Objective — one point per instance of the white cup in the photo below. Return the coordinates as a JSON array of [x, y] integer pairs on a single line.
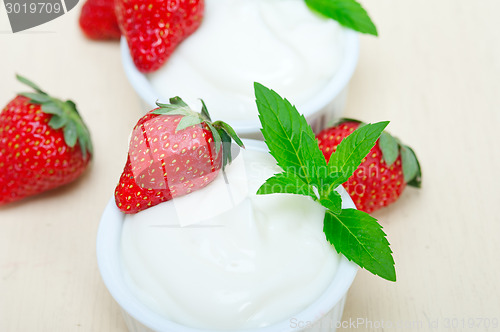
[[323, 315], [320, 111]]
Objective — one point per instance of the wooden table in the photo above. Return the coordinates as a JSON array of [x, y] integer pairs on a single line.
[[434, 72]]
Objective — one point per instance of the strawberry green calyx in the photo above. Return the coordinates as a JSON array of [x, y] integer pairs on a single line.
[[65, 116], [222, 132], [391, 148]]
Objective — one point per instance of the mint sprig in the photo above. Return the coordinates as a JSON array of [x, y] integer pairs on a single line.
[[348, 13], [292, 143]]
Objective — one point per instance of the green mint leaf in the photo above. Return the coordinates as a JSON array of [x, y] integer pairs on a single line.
[[292, 143], [348, 13], [289, 137], [314, 160], [411, 166], [389, 147], [331, 200], [351, 151], [286, 183], [359, 237], [188, 121]]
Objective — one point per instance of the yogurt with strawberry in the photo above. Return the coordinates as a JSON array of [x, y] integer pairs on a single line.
[[279, 43], [224, 258]]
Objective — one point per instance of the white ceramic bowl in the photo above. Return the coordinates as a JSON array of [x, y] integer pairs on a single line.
[[322, 315], [320, 111]]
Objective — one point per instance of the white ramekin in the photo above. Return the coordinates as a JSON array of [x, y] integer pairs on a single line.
[[320, 111], [323, 315]]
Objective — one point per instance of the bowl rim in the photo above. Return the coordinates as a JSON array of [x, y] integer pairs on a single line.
[[109, 263], [319, 101]]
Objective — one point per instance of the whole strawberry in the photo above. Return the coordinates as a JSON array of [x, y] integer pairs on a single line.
[[98, 20], [44, 144], [173, 151], [153, 29], [383, 174]]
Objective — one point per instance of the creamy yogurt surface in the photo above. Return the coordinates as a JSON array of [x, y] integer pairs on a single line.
[[257, 260], [279, 43]]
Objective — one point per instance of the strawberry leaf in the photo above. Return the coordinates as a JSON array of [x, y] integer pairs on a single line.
[[173, 110], [52, 108], [70, 134], [37, 97], [359, 237], [411, 167], [230, 131], [389, 147], [204, 111], [32, 85], [227, 158], [178, 101], [216, 135], [222, 132], [65, 116], [57, 121], [188, 121]]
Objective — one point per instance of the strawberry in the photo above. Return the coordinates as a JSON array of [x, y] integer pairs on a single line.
[[44, 144], [153, 29], [98, 20], [383, 173], [173, 151]]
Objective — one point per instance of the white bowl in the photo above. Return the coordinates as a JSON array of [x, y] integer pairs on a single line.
[[322, 315], [320, 111]]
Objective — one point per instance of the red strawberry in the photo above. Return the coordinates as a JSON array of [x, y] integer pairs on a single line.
[[98, 20], [154, 29], [383, 174], [173, 151], [44, 144]]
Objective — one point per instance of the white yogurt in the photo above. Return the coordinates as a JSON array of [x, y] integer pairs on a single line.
[[279, 43], [261, 260]]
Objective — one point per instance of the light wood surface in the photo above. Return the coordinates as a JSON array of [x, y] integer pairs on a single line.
[[434, 72]]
